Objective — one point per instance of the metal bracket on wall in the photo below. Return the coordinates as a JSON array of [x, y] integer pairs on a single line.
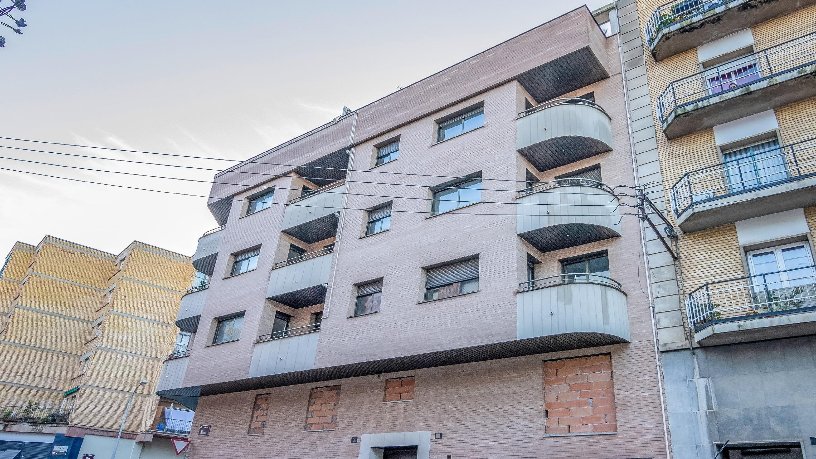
[[668, 229]]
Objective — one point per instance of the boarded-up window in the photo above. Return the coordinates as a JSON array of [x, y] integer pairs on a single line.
[[399, 389], [322, 411], [579, 395], [260, 414]]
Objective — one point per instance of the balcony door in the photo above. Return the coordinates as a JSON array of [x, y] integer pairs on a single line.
[[733, 74], [783, 277], [751, 167]]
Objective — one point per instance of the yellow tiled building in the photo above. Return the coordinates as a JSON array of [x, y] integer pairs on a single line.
[[80, 328], [728, 150]]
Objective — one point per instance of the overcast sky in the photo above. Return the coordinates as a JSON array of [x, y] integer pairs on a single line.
[[204, 78]]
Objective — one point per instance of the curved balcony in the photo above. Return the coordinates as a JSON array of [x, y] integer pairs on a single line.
[[760, 184], [681, 25], [173, 370], [753, 308], [285, 351], [741, 87], [190, 309], [207, 251], [563, 131], [590, 307], [301, 281], [567, 213], [313, 217]]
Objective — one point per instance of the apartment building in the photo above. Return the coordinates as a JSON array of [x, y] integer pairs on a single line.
[[728, 149], [450, 271], [81, 328]]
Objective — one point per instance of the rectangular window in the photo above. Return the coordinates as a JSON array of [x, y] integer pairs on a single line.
[[280, 324], [245, 262], [182, 343], [379, 219], [587, 267], [456, 195], [295, 252], [259, 202], [461, 123], [316, 319], [531, 265], [733, 74], [369, 296], [751, 167], [228, 329], [387, 153], [452, 279], [784, 274], [591, 176]]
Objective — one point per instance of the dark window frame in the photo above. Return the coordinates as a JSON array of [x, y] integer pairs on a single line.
[[220, 321], [457, 187], [461, 119], [384, 155], [257, 198], [361, 301], [236, 259], [585, 258], [461, 286], [384, 221]]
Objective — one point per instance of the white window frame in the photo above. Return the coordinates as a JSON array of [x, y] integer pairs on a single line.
[[777, 251]]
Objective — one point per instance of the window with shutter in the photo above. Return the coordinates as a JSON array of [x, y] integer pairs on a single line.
[[387, 153], [455, 195], [452, 279], [379, 219], [460, 123], [245, 261], [368, 298]]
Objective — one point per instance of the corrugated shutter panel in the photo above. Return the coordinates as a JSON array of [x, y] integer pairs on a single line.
[[388, 149], [459, 118], [379, 212], [369, 288], [454, 272]]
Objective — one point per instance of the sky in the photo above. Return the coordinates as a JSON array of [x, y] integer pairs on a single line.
[[223, 80]]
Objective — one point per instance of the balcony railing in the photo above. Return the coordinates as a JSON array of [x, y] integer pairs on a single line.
[[676, 12], [570, 181], [214, 230], [304, 257], [736, 74], [179, 354], [175, 426], [745, 174], [33, 413], [311, 193], [298, 331], [562, 101], [197, 288], [783, 292], [564, 279]]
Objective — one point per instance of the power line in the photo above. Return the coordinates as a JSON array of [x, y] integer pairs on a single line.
[[617, 195], [293, 204], [174, 155]]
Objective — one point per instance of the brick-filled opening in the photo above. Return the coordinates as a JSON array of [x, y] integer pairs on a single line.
[[260, 414], [579, 396], [322, 411], [399, 389]]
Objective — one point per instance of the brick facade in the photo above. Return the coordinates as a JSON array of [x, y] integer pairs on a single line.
[[322, 411], [579, 395], [399, 389]]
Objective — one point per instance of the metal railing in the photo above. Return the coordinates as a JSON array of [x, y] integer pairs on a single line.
[[781, 292], [179, 354], [562, 101], [34, 413], [175, 426], [298, 331], [304, 257], [212, 231], [539, 187], [566, 279], [317, 191], [745, 174], [738, 73], [197, 288], [675, 12]]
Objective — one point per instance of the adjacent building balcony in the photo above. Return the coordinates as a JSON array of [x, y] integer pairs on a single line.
[[302, 281], [285, 351], [172, 374], [741, 87], [749, 186], [590, 308], [563, 131], [190, 310], [681, 25], [752, 308], [313, 217], [567, 213], [207, 251], [34, 413]]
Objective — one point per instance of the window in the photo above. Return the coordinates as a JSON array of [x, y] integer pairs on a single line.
[[295, 252], [530, 179], [245, 262], [750, 167], [280, 324], [387, 153], [591, 176], [733, 74], [587, 267], [379, 219], [452, 279], [456, 195], [316, 319], [777, 270], [461, 123], [368, 299], [259, 202], [531, 265], [228, 329], [200, 281], [182, 343]]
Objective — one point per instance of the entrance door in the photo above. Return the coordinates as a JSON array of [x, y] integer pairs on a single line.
[[402, 452]]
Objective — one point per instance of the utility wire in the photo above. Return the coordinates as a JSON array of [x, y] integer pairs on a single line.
[[291, 204], [174, 155], [136, 174]]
